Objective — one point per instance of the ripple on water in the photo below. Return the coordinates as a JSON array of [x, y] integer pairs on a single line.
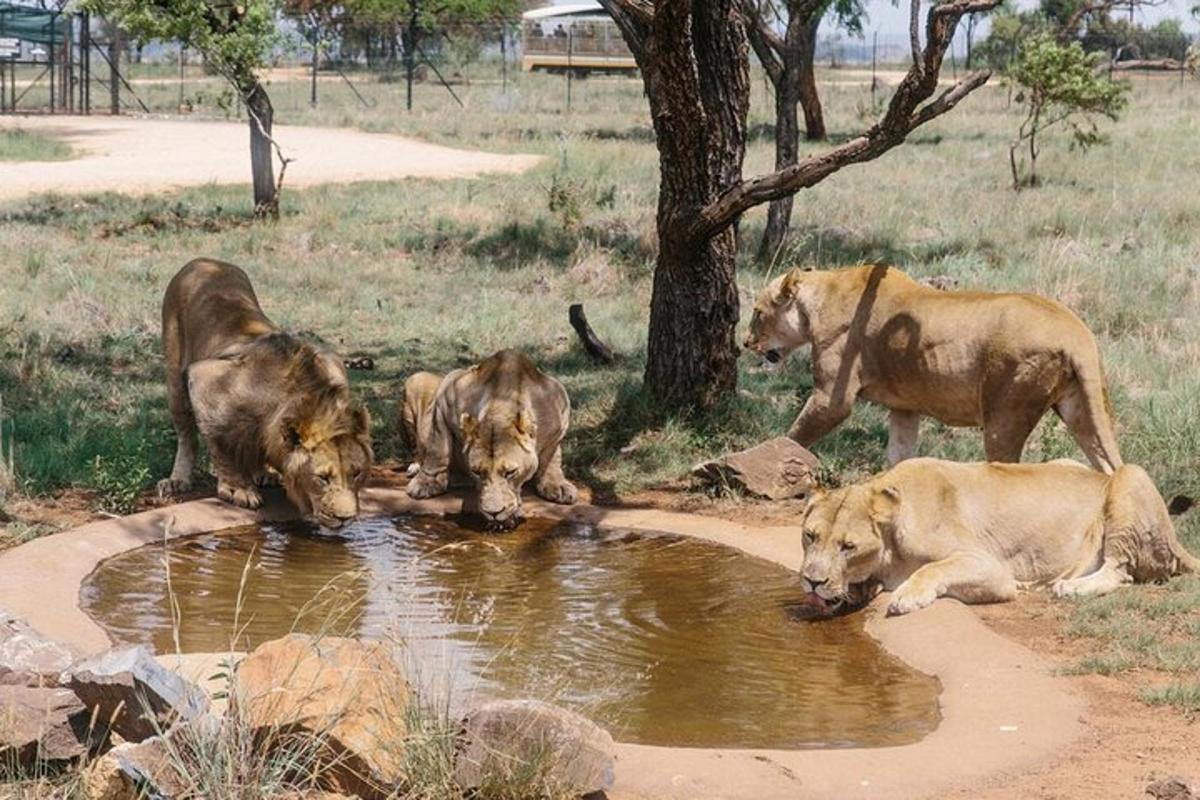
[[665, 639]]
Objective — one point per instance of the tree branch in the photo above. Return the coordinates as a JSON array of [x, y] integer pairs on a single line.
[[1071, 24], [634, 18], [905, 113], [765, 41]]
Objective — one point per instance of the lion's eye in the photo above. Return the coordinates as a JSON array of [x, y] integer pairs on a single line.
[[324, 478], [809, 537], [510, 473], [847, 547]]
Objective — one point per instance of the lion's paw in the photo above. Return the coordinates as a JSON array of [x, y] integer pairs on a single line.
[[173, 487], [564, 493], [907, 599], [424, 485], [241, 496], [268, 479]]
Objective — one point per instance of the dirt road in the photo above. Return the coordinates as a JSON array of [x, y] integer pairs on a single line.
[[139, 155]]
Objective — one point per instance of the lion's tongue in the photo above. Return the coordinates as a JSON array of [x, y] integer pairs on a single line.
[[816, 601]]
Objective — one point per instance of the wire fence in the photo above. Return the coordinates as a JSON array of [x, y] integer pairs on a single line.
[[85, 68]]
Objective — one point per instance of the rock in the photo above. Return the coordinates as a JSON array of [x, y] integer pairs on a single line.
[[1173, 788], [776, 469], [133, 695], [565, 751], [27, 658], [42, 725], [349, 697]]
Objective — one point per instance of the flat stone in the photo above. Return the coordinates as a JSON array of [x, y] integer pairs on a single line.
[[350, 698], [27, 658], [565, 751], [133, 695], [39, 725], [1173, 788], [777, 469]]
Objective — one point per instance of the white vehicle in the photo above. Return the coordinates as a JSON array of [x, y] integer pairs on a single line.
[[580, 37]]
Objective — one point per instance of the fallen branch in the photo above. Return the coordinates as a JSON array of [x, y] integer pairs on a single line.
[[595, 348]]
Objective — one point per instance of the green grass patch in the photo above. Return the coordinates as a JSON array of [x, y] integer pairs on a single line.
[[19, 144], [1183, 696]]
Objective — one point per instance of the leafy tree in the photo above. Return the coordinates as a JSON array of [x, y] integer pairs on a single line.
[[1008, 30], [1059, 86], [236, 39], [695, 62]]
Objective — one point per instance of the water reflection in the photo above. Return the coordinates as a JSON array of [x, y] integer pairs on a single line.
[[665, 639]]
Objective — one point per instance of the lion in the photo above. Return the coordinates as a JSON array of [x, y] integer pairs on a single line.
[[996, 361], [976, 532], [266, 403], [496, 425]]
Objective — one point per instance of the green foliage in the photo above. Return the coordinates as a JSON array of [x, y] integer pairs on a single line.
[[119, 480], [237, 39], [1009, 29], [1058, 84]]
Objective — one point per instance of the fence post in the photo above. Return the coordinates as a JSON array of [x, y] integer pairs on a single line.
[[874, 54], [114, 75], [570, 55]]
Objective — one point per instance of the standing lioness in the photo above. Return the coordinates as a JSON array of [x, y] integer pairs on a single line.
[[998, 361], [499, 424], [262, 399]]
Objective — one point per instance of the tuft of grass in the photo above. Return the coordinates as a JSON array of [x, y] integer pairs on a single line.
[[1181, 695], [18, 144]]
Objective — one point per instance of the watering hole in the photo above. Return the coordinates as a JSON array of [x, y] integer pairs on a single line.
[[664, 639]]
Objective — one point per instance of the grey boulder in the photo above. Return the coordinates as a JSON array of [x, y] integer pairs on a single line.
[[777, 469]]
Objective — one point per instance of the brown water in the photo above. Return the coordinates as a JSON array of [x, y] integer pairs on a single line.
[[666, 640]]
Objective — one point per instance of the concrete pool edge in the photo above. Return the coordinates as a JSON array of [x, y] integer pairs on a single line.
[[1002, 709]]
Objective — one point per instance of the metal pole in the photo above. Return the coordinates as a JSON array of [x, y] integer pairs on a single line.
[[874, 51], [51, 56], [114, 76], [316, 56], [570, 54], [181, 65], [86, 56], [503, 59]]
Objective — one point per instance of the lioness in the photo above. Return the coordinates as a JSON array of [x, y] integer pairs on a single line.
[[927, 529], [500, 424], [262, 399], [966, 358]]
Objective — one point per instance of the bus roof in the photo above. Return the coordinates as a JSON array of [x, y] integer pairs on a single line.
[[566, 10]]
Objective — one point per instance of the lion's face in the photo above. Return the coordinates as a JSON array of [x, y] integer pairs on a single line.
[[844, 544], [501, 454], [778, 325], [328, 465]]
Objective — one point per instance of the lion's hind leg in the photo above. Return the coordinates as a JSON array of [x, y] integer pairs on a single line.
[[420, 390], [1111, 575], [967, 575]]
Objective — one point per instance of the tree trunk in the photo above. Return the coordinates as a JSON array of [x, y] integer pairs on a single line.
[[787, 143], [262, 165], [810, 100], [698, 83]]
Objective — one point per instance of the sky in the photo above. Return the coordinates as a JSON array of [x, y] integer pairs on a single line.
[[890, 20]]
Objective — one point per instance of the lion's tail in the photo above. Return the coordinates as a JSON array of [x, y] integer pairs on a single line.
[[1092, 425]]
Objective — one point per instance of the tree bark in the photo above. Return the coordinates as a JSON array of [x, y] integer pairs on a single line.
[[262, 165], [697, 79], [810, 100]]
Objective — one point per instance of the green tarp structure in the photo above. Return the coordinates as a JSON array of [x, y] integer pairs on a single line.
[[33, 24]]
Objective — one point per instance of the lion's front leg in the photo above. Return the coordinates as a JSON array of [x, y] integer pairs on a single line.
[[821, 414], [432, 476], [967, 576], [552, 485], [234, 487]]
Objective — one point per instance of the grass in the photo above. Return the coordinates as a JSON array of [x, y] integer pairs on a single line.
[[17, 144], [424, 274]]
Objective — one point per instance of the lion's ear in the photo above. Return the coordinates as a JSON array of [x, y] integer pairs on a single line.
[[787, 289], [885, 504], [469, 427], [523, 425]]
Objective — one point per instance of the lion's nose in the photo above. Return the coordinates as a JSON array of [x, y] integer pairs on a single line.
[[814, 584]]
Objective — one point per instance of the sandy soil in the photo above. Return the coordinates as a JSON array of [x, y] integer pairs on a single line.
[[142, 155]]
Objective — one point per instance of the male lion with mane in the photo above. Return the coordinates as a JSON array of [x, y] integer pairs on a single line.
[[498, 424], [263, 400], [975, 532], [998, 361]]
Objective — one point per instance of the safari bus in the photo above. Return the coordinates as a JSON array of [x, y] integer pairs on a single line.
[[579, 37]]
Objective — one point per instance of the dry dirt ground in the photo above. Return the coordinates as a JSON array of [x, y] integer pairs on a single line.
[[141, 155], [1127, 745]]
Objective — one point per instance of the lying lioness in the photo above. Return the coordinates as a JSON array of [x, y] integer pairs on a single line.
[[498, 424], [927, 529], [264, 401], [966, 358]]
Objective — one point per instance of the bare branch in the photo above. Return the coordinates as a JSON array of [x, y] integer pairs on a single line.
[[907, 110], [634, 18], [767, 44], [1071, 24]]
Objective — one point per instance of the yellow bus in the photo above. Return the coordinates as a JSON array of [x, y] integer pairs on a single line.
[[579, 37]]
